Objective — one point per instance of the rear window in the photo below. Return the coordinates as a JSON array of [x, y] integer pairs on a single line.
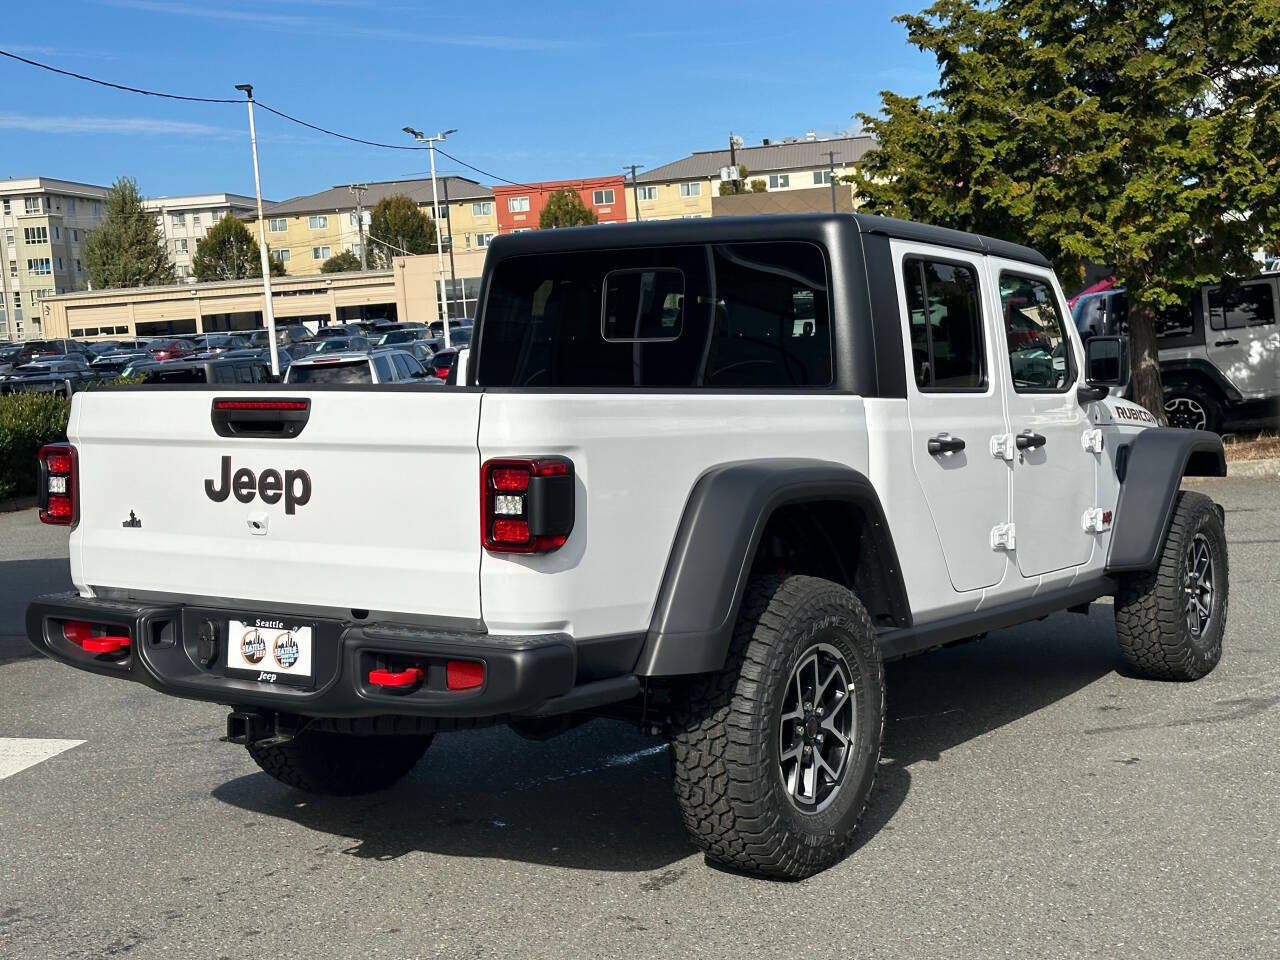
[[349, 371], [739, 315], [190, 375]]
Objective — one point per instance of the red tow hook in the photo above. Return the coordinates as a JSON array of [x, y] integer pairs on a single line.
[[80, 633], [105, 644], [396, 678]]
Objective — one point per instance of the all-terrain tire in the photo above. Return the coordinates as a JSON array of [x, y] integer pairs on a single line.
[[341, 764], [1153, 623], [726, 747]]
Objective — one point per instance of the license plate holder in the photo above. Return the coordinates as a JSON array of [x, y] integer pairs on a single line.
[[273, 650]]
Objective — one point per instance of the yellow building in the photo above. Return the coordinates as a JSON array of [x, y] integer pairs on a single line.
[[304, 232], [685, 187]]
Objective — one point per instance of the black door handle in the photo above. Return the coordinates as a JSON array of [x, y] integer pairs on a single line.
[[1030, 441], [945, 443], [1228, 342]]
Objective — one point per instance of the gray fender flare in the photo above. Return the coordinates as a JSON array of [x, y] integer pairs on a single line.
[[710, 560], [1159, 458]]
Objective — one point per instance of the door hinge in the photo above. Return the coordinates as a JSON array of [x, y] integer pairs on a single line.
[[1002, 537], [1096, 520], [1003, 446], [1091, 440]]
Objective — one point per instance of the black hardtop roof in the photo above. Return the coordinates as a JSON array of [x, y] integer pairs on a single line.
[[745, 229]]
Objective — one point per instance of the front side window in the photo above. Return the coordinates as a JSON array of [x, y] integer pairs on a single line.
[[691, 189], [318, 222], [1039, 351], [945, 318], [517, 204], [602, 197], [1249, 305]]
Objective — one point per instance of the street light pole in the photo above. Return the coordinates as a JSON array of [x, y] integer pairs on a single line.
[[268, 311], [435, 212]]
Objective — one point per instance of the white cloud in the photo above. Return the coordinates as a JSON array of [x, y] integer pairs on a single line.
[[135, 126]]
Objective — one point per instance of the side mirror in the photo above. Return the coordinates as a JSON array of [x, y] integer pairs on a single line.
[[1107, 361]]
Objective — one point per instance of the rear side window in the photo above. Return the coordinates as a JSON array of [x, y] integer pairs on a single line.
[[1039, 352], [383, 366], [945, 316], [351, 371], [1250, 305], [727, 315]]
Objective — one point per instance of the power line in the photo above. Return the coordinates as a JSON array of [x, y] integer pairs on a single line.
[[116, 86], [486, 173], [334, 133]]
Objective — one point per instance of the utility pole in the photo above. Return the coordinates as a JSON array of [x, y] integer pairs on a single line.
[[268, 310], [635, 187], [453, 272], [359, 190], [733, 162], [831, 170], [435, 207]]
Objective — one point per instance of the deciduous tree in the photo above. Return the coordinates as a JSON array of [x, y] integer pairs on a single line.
[[229, 252], [343, 262], [565, 209], [396, 224], [1144, 136]]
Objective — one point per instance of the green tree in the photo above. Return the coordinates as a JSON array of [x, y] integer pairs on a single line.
[[128, 249], [758, 185], [229, 252], [397, 221], [1138, 135], [343, 262], [565, 209]]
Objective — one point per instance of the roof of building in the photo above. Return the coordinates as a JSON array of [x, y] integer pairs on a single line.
[[545, 186], [794, 155], [340, 197], [51, 184], [187, 201]]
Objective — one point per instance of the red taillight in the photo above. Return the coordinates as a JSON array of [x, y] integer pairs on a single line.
[[464, 674], [95, 637], [58, 493], [526, 505]]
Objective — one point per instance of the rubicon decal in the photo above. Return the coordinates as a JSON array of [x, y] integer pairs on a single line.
[[293, 486]]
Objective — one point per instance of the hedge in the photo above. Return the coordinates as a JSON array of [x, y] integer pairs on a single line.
[[27, 422]]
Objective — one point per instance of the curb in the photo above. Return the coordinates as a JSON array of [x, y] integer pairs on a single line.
[[15, 504]]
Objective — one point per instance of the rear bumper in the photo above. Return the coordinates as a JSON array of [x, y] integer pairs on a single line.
[[523, 675]]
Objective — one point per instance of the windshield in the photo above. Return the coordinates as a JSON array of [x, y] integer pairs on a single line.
[[355, 370]]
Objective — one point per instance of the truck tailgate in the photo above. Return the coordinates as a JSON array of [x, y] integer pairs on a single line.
[[372, 506]]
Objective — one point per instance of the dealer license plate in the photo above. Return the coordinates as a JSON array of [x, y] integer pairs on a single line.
[[272, 650]]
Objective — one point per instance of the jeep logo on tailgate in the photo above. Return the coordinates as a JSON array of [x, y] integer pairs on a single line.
[[294, 486]]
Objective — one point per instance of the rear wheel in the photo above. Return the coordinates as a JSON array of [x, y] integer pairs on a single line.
[[1192, 407], [1170, 621], [775, 754], [341, 764]]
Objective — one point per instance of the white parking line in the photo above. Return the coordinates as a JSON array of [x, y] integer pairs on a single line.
[[18, 753]]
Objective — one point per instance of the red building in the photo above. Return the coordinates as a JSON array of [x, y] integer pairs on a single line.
[[518, 208]]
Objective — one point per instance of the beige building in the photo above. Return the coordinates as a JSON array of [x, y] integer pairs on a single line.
[[187, 220], [409, 291], [304, 232], [45, 222], [686, 187]]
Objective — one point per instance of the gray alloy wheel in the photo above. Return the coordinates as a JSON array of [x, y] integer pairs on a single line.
[[816, 728], [1197, 585]]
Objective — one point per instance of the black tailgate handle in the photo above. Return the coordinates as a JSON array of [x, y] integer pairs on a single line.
[[270, 417]]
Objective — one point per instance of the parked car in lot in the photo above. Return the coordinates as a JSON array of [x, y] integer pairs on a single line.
[[437, 326], [169, 348], [422, 351], [63, 374], [719, 486], [443, 360], [339, 330], [343, 344], [215, 344], [459, 336], [380, 365], [1215, 370], [213, 370], [9, 357], [397, 337], [35, 349], [285, 336]]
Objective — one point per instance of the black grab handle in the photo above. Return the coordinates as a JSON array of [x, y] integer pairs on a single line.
[[270, 417]]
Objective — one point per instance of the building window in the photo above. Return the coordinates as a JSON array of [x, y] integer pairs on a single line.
[[463, 294], [75, 236], [517, 204], [602, 198], [79, 267], [278, 225], [691, 189], [177, 219], [355, 249], [483, 240], [648, 193], [59, 263], [31, 204], [13, 269], [319, 253], [281, 256], [8, 208], [37, 295], [195, 219], [180, 246], [40, 267], [57, 233], [318, 222], [71, 206], [181, 272], [8, 237], [482, 208], [821, 178], [779, 181]]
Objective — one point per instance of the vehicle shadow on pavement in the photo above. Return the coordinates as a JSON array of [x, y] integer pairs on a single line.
[[600, 797], [22, 580]]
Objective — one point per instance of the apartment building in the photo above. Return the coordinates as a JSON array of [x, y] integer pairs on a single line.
[[45, 222], [519, 207], [186, 220], [685, 187], [304, 232]]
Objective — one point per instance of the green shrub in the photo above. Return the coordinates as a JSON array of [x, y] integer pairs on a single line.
[[27, 422]]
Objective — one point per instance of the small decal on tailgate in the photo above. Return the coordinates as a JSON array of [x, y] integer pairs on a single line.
[[133, 521]]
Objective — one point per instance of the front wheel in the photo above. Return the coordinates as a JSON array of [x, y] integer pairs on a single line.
[[775, 754], [1170, 620], [1192, 407], [341, 764]]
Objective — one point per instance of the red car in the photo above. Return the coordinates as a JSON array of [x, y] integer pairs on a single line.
[[169, 349], [443, 362]]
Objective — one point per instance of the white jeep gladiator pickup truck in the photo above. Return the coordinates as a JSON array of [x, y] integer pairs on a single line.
[[704, 475]]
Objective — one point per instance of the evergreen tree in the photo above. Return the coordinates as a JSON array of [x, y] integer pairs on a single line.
[[565, 209], [128, 249], [343, 262]]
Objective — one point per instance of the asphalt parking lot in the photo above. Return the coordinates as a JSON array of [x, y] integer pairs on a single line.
[[1032, 802]]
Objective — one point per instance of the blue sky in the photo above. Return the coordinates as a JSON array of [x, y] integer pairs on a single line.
[[537, 91]]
